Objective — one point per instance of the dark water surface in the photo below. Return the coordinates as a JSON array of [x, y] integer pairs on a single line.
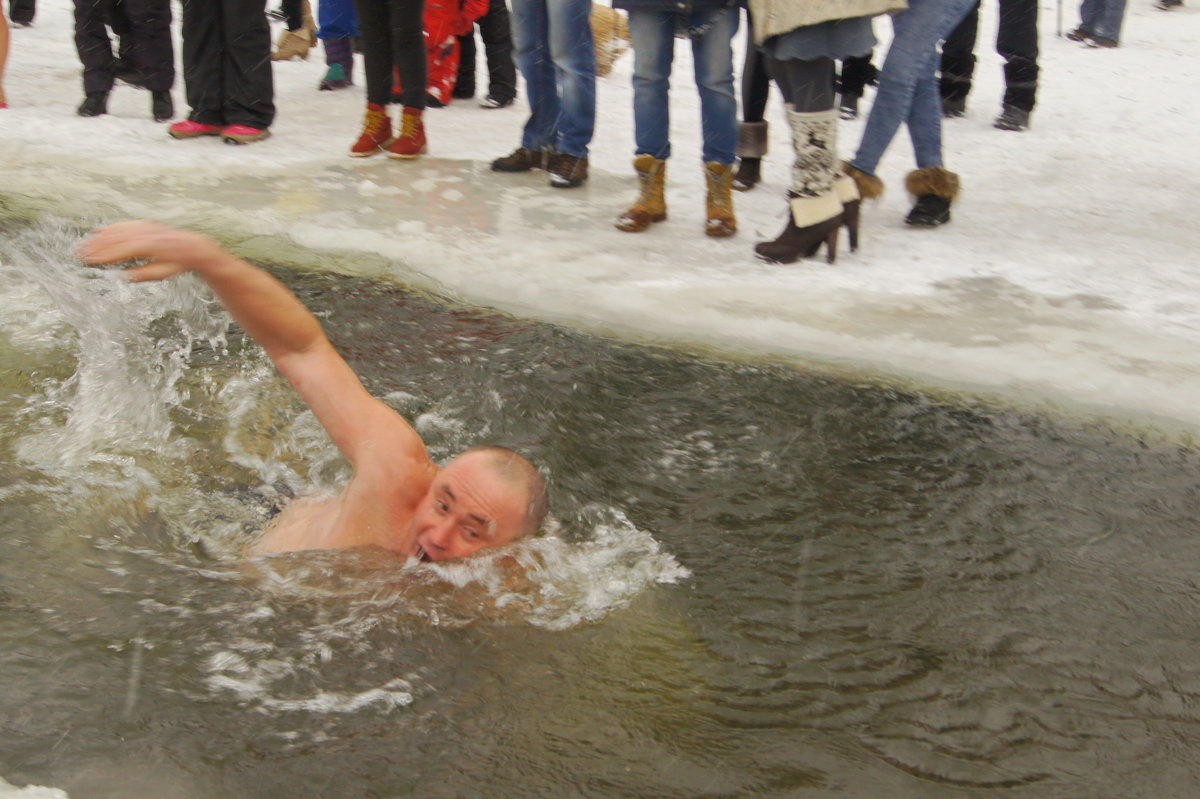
[[765, 583]]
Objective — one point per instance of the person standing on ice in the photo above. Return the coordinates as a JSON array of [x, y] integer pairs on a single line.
[[226, 71], [1017, 44], [393, 46], [397, 499], [145, 30], [800, 40], [709, 25], [908, 94], [556, 54]]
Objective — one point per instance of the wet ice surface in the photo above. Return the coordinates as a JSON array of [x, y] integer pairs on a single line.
[[1066, 278]]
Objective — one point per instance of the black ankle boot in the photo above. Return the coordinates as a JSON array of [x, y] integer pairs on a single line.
[[930, 211], [93, 105], [749, 172], [162, 107]]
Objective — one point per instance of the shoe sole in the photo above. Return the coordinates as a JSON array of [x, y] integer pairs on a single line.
[[245, 139], [178, 135], [408, 156]]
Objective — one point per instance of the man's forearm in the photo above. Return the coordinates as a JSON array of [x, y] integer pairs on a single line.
[[265, 308]]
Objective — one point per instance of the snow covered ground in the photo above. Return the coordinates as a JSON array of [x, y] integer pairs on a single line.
[[1067, 279]]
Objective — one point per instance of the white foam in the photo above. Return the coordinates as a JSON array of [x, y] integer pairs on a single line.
[[8, 791]]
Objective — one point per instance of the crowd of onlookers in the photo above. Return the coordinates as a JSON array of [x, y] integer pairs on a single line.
[[419, 54]]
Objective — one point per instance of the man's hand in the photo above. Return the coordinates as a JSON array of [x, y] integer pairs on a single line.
[[168, 251]]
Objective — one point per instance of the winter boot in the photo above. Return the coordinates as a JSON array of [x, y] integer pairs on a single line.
[[162, 107], [376, 135], [816, 211], [720, 222], [869, 187], [567, 171], [1012, 118], [94, 104], [811, 221], [651, 205], [751, 147], [521, 160], [297, 43], [411, 141], [934, 189], [339, 56]]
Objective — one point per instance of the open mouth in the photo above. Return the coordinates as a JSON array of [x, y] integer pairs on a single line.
[[421, 555]]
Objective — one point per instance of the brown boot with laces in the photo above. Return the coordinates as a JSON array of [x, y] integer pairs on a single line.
[[651, 205], [719, 204]]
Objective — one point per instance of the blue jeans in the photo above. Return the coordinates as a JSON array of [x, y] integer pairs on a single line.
[[908, 86], [1102, 18], [652, 33], [553, 48]]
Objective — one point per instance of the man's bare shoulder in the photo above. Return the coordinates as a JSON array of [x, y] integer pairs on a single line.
[[376, 508]]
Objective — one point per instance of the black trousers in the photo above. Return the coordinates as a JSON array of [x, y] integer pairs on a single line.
[[144, 28], [227, 62], [1017, 44], [22, 11], [393, 39], [496, 31], [293, 14]]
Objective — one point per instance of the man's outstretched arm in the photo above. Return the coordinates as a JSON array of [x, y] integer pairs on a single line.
[[363, 428]]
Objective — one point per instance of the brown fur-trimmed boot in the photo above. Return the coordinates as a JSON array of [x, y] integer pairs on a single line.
[[934, 189], [721, 222], [869, 186], [651, 204]]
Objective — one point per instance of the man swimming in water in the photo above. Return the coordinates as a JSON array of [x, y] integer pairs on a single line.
[[398, 498]]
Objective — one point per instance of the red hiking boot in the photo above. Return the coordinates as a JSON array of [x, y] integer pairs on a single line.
[[376, 134], [411, 141]]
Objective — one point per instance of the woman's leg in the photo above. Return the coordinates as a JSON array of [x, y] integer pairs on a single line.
[[912, 56], [405, 21]]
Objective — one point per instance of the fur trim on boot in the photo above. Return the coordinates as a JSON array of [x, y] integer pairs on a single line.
[[869, 186], [936, 180], [752, 140]]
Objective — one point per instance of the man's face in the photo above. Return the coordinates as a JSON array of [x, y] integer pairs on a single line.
[[468, 507]]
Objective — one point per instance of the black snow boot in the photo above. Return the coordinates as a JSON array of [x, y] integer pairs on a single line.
[[934, 188], [162, 107], [93, 105]]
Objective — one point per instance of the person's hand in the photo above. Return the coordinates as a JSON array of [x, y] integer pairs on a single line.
[[165, 251]]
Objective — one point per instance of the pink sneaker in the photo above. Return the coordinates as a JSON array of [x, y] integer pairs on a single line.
[[187, 129], [244, 134]]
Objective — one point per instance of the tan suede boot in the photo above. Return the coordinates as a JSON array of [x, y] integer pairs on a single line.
[[297, 43], [719, 203], [651, 205]]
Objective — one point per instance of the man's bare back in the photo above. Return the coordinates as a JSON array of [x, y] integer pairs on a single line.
[[398, 498]]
